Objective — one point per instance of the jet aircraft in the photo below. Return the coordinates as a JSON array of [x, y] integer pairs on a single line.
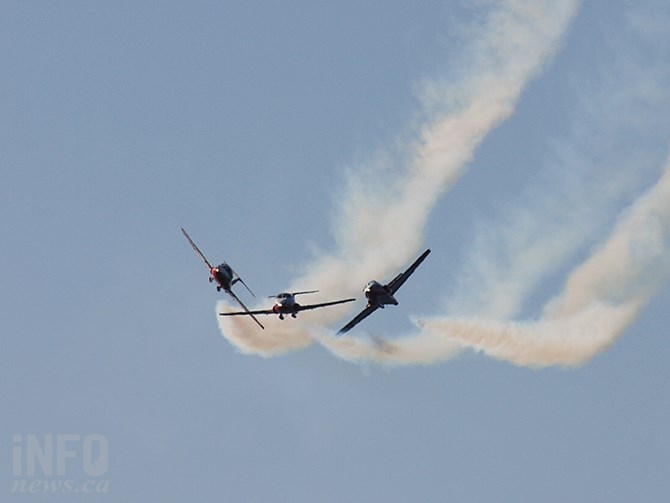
[[224, 276], [379, 295], [285, 304]]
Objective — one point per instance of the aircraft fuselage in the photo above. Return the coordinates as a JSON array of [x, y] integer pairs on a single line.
[[223, 275], [285, 304], [378, 295]]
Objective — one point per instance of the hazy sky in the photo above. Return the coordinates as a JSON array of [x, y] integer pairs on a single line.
[[318, 146]]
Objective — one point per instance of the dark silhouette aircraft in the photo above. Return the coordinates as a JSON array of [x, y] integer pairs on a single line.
[[379, 295]]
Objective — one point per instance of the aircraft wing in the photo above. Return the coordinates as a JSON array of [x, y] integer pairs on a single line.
[[248, 313], [245, 285], [402, 277], [324, 304], [358, 318], [246, 309], [197, 250]]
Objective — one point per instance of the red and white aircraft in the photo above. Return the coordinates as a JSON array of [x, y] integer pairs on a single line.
[[224, 276], [285, 304]]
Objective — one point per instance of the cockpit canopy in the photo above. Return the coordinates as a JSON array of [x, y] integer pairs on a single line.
[[225, 268]]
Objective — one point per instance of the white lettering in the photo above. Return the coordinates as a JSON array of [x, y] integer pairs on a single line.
[[62, 452], [34, 486], [17, 459], [19, 486], [44, 456], [98, 466]]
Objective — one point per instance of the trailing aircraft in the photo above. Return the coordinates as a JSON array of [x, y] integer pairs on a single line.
[[379, 295]]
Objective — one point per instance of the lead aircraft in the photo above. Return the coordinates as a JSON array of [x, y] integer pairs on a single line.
[[224, 276], [285, 304], [379, 295]]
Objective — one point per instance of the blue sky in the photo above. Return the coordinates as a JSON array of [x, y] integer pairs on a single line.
[[246, 124]]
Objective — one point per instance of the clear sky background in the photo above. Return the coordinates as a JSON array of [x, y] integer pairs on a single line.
[[122, 121]]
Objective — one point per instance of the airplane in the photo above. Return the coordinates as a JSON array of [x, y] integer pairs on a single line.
[[224, 276], [379, 295], [285, 304]]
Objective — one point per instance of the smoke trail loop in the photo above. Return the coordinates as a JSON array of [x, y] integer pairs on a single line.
[[382, 218]]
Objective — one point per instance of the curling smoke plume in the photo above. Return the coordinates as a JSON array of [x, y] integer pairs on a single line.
[[600, 299], [507, 50], [616, 140]]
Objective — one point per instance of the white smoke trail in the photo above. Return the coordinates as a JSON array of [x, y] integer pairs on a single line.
[[423, 348], [573, 197], [386, 205], [600, 299]]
